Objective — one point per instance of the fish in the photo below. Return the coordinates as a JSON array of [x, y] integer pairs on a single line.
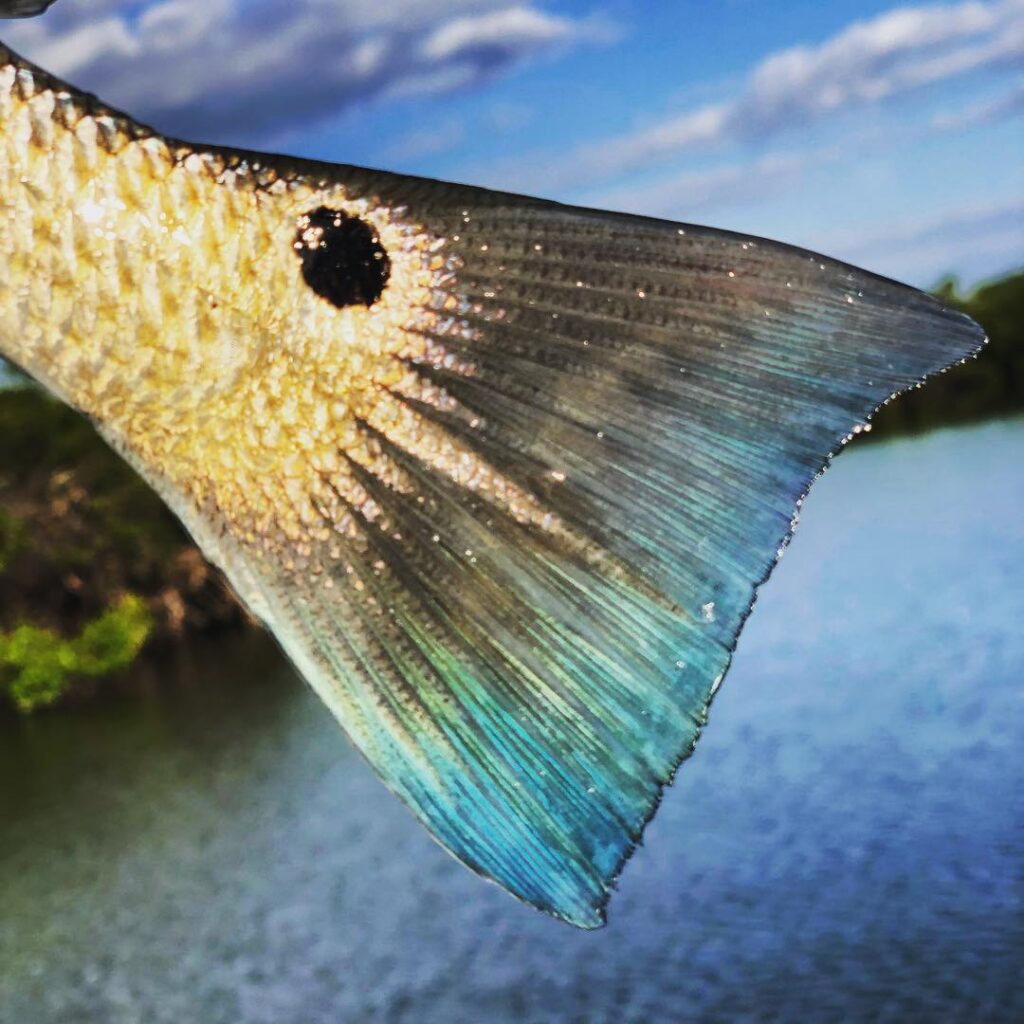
[[501, 476]]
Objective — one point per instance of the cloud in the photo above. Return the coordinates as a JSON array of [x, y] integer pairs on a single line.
[[930, 227], [683, 194], [985, 238], [902, 50], [247, 69], [996, 108], [491, 33]]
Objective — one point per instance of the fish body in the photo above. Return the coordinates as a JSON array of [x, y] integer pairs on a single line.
[[502, 476]]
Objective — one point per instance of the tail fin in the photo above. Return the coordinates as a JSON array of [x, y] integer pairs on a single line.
[[571, 511]]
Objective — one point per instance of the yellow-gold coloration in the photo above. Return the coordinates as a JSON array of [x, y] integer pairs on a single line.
[[506, 498], [135, 269]]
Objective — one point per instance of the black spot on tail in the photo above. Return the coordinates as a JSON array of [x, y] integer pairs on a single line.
[[342, 258]]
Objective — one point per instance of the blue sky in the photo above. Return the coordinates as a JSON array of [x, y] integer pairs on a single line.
[[889, 135]]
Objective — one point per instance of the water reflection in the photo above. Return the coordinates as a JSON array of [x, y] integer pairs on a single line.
[[847, 842]]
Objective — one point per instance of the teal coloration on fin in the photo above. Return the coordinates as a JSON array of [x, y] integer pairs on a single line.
[[527, 663], [669, 394], [666, 395]]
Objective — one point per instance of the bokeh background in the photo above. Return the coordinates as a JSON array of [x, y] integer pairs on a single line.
[[185, 835]]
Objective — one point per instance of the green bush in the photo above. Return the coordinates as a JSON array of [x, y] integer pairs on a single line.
[[37, 665]]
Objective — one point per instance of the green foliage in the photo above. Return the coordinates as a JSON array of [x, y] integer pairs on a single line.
[[79, 528], [991, 385], [37, 665]]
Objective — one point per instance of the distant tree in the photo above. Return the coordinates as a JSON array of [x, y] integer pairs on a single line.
[[991, 385]]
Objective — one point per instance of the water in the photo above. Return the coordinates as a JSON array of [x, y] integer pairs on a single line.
[[847, 843]]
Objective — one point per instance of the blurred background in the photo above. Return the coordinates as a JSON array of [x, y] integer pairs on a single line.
[[185, 834]]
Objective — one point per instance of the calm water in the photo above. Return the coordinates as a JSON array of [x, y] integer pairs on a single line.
[[847, 843]]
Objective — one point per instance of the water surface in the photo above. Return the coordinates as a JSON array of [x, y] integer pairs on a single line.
[[846, 844]]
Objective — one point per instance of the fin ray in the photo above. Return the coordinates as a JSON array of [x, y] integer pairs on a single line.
[[523, 637]]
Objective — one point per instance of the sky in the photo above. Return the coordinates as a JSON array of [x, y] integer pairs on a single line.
[[888, 135]]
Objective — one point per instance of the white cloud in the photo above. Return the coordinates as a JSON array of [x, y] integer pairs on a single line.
[[919, 229], [984, 238], [896, 52], [684, 195], [514, 26], [76, 48], [995, 108], [179, 23], [232, 69], [750, 181]]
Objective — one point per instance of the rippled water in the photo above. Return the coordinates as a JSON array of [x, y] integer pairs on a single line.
[[847, 843]]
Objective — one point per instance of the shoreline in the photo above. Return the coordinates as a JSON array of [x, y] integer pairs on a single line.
[[98, 576]]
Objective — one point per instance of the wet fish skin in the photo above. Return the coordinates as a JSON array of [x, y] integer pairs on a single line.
[[508, 517]]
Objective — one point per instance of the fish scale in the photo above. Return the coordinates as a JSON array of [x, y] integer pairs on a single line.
[[505, 499]]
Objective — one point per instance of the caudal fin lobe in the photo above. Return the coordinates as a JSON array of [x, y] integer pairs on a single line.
[[526, 647]]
